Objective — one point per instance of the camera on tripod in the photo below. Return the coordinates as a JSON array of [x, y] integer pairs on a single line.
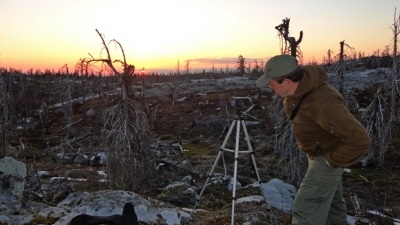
[[241, 102]]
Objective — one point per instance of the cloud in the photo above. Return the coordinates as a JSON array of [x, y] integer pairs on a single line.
[[223, 61], [213, 60]]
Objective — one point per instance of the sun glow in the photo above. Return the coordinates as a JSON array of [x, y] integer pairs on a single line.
[[165, 35]]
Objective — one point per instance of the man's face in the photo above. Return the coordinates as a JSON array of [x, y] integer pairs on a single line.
[[280, 89]]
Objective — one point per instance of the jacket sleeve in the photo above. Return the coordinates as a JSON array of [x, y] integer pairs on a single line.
[[334, 117]]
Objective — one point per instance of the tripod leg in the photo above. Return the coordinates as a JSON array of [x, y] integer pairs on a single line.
[[253, 159], [235, 171], [225, 142]]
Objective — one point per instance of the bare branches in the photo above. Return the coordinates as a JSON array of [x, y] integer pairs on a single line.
[[108, 59], [292, 162], [106, 63], [64, 69], [343, 55], [378, 124], [339, 80], [131, 162], [293, 47]]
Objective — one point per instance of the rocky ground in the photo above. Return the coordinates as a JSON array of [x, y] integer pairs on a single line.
[[196, 121]]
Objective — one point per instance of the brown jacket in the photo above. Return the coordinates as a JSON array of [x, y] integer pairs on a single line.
[[324, 126]]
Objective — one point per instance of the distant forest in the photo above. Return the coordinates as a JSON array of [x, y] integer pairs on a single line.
[[243, 67]]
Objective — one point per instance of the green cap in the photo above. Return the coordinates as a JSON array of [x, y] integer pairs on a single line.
[[277, 66]]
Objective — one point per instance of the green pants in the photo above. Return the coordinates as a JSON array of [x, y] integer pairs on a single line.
[[319, 200]]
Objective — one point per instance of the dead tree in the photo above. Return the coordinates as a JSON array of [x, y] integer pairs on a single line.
[[338, 80], [127, 136], [292, 162], [289, 45], [66, 99], [342, 68], [187, 67], [378, 124], [328, 60], [22, 97], [393, 78], [380, 115], [5, 112], [178, 68]]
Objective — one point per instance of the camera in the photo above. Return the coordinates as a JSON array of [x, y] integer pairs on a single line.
[[240, 102]]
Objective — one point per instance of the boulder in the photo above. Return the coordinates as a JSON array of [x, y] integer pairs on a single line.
[[12, 178], [278, 195]]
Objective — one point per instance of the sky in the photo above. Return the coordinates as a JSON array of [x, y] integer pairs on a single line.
[[162, 35]]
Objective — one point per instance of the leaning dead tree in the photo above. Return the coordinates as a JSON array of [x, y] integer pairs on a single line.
[[127, 137], [289, 45], [380, 115]]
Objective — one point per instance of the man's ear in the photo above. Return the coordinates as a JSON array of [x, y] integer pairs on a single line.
[[287, 81]]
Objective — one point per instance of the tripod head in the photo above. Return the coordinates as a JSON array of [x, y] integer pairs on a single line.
[[240, 104], [243, 105], [240, 112]]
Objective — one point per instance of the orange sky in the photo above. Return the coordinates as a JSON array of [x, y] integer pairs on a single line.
[[47, 34]]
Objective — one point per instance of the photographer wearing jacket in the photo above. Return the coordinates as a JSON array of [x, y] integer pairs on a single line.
[[324, 129]]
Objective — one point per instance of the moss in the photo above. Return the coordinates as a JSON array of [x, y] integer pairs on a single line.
[[222, 219], [217, 204], [193, 149]]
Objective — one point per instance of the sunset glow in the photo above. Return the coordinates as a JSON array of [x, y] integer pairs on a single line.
[[157, 35]]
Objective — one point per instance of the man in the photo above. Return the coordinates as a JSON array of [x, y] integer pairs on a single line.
[[324, 129]]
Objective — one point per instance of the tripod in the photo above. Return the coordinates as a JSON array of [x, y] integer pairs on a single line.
[[239, 122]]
